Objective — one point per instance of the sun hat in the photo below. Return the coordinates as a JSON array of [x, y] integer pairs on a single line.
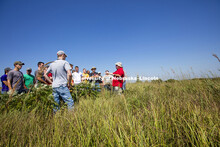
[[93, 68], [29, 69], [61, 53], [18, 62], [119, 64]]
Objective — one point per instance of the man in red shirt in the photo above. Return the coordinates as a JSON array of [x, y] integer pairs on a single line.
[[117, 82]]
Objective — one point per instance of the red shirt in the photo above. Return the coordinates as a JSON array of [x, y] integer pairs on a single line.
[[49, 75], [118, 82]]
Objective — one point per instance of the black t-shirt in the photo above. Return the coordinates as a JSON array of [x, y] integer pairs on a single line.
[[94, 74]]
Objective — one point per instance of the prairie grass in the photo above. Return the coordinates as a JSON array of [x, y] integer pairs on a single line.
[[179, 113]]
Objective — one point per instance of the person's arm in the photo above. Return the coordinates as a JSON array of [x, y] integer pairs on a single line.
[[41, 80], [46, 77], [25, 87], [114, 74], [9, 84], [5, 82], [34, 81], [117, 75], [9, 78], [69, 78], [81, 77]]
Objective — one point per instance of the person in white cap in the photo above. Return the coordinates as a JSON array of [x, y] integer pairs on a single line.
[[61, 73], [29, 79], [117, 82]]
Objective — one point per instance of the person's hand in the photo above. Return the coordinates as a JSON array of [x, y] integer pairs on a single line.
[[69, 86], [10, 92]]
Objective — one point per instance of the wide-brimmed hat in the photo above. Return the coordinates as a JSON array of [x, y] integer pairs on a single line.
[[18, 62], [93, 68], [119, 64], [61, 53]]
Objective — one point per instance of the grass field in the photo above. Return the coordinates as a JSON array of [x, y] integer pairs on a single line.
[[177, 113]]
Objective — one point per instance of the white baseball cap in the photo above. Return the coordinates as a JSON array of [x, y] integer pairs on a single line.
[[60, 53]]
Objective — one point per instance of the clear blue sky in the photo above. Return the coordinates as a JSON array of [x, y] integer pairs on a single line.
[[148, 36]]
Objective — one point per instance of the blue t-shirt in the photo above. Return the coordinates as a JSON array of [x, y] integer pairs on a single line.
[[4, 87]]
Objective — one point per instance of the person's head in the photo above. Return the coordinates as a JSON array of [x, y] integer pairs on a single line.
[[118, 65], [40, 64], [61, 55], [107, 72], [76, 68], [88, 72], [99, 73], [29, 70], [84, 70], [71, 65], [93, 69], [7, 70], [18, 65]]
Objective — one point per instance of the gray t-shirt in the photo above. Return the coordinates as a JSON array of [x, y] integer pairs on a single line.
[[14, 76], [59, 70]]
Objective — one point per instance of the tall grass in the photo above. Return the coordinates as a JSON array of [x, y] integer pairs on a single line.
[[179, 113]]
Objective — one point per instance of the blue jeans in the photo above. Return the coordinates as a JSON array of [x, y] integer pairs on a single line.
[[4, 92], [64, 93], [124, 85], [98, 86], [108, 87]]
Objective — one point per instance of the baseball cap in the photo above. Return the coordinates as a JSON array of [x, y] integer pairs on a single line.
[[61, 53], [119, 64], [7, 69], [18, 62], [29, 69]]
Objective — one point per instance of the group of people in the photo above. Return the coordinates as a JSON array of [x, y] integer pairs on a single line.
[[61, 75]]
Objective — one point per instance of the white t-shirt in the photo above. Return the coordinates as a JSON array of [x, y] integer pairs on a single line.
[[107, 79], [77, 77], [59, 70]]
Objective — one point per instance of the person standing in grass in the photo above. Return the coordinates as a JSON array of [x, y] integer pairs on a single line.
[[39, 74], [15, 79], [77, 76], [117, 82], [85, 76], [124, 81], [61, 73], [107, 80], [88, 72], [4, 81], [94, 78], [29, 79]]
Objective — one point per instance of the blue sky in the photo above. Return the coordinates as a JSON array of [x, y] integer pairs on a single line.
[[148, 36]]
